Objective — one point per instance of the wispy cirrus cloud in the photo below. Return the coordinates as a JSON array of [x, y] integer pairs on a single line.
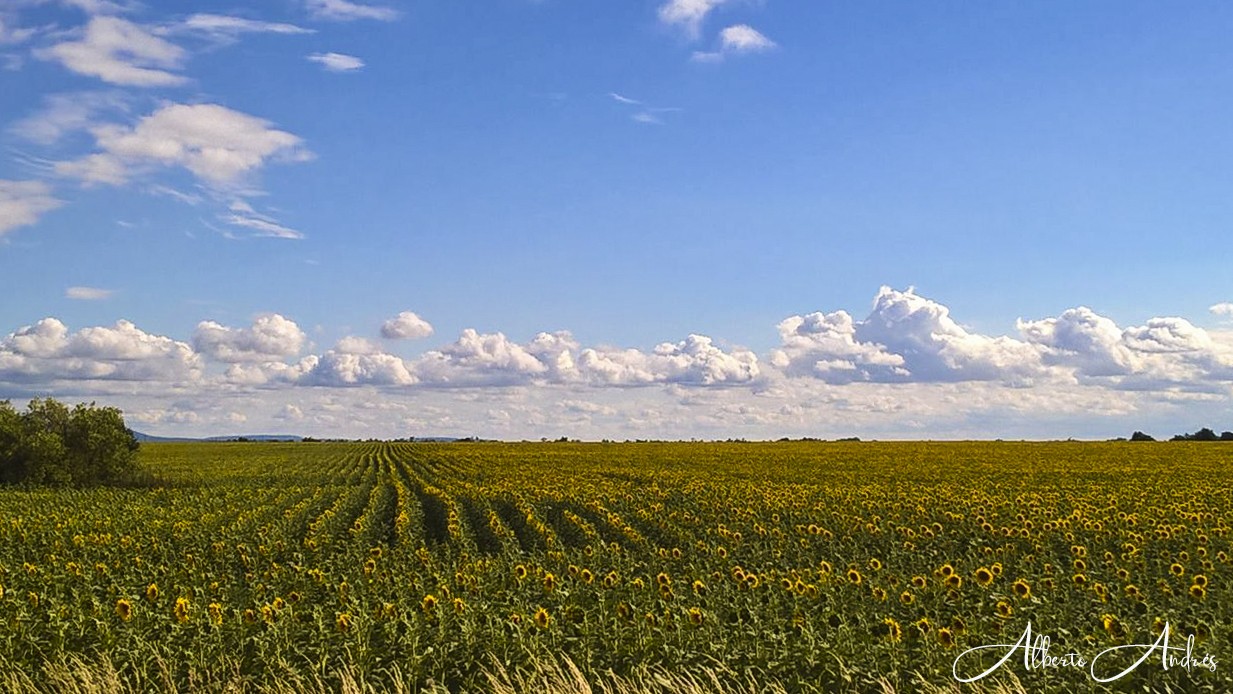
[[228, 27], [66, 113], [88, 293], [345, 10], [643, 112], [22, 203]]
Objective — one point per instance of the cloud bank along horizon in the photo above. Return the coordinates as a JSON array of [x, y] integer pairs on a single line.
[[905, 368]]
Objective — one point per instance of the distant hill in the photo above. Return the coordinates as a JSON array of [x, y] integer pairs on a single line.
[[147, 438]]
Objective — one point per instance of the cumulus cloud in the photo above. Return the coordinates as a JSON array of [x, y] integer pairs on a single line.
[[406, 326], [344, 10], [88, 293], [47, 351], [270, 338], [337, 62], [493, 359], [1223, 309], [23, 202], [479, 359], [1163, 353], [355, 361], [905, 337], [120, 52], [218, 145]]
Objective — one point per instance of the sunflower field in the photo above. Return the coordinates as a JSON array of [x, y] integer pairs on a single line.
[[819, 566]]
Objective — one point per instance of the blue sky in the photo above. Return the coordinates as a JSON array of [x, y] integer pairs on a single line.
[[674, 218]]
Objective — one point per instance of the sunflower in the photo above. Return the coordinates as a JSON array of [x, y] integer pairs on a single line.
[[945, 570], [586, 576], [695, 616], [663, 579], [1176, 569], [152, 592], [1004, 609], [946, 637], [1022, 589], [954, 581], [1200, 580], [623, 611], [875, 565], [550, 582], [1198, 592], [215, 610], [520, 572], [429, 604], [854, 576], [343, 622], [699, 588], [958, 626], [1078, 579], [983, 576], [542, 618], [124, 609], [906, 597], [893, 631], [459, 605], [919, 581], [181, 610]]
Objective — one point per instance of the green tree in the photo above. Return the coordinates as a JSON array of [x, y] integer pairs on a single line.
[[51, 444]]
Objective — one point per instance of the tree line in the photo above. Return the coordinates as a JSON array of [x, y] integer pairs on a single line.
[[1204, 434], [52, 444]]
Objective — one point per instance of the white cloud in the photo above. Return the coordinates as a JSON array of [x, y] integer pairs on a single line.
[[355, 362], [263, 225], [905, 338], [12, 35], [270, 338], [688, 14], [742, 38], [23, 202], [120, 52], [1163, 354], [406, 326], [344, 10], [337, 62], [226, 27], [47, 351], [66, 113], [1223, 309], [479, 359], [218, 145], [737, 39], [88, 293], [624, 99]]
